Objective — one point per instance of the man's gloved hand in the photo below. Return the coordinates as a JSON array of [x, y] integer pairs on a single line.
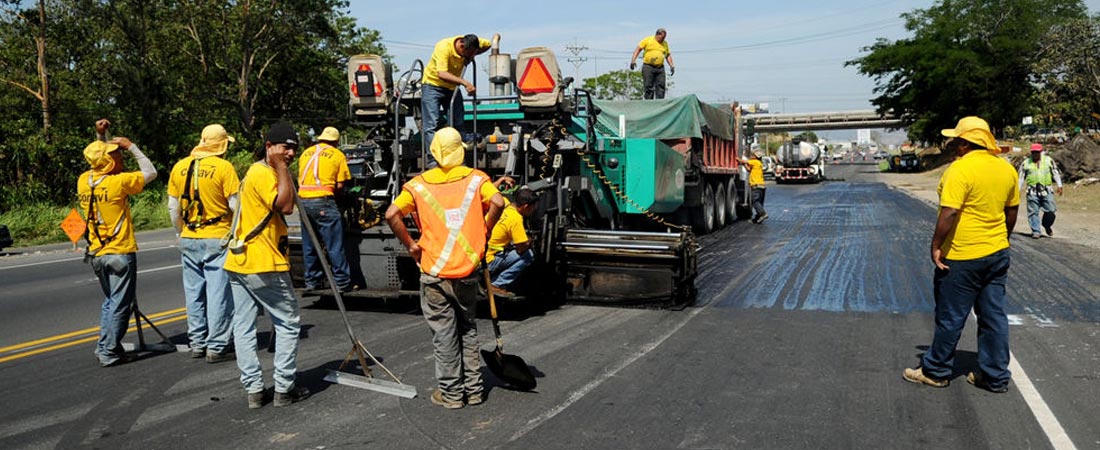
[[671, 70], [633, 65]]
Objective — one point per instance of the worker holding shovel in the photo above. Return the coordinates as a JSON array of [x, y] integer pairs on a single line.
[[457, 207]]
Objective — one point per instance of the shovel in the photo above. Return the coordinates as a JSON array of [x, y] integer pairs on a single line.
[[509, 368]]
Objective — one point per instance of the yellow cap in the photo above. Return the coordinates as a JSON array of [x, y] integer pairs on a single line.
[[98, 155], [447, 148], [330, 134], [976, 131], [214, 141]]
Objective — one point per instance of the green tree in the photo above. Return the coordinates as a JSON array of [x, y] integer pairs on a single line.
[[807, 136], [1068, 73], [966, 57], [616, 85]]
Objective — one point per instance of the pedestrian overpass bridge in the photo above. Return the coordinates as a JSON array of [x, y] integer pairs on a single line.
[[838, 120]]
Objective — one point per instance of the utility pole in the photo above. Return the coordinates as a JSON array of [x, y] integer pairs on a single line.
[[576, 59]]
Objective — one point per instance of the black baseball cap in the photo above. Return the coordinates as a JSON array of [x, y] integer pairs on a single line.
[[282, 133]]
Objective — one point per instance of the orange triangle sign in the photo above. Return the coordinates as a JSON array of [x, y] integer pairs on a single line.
[[536, 79]]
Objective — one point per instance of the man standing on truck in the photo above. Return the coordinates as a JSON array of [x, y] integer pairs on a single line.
[[654, 51], [442, 76], [757, 187], [259, 270], [103, 193], [322, 171], [1040, 172], [202, 199], [979, 200], [456, 206], [505, 266]]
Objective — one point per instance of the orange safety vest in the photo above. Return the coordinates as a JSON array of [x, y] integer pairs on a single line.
[[313, 165], [452, 225]]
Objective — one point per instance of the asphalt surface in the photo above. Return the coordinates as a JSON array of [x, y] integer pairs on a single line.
[[802, 328]]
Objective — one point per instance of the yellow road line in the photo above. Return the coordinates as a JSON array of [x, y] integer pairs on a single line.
[[82, 341], [79, 332]]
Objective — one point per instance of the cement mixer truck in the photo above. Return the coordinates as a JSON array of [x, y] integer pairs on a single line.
[[800, 162]]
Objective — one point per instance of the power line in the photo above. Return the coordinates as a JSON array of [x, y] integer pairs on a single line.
[[577, 60]]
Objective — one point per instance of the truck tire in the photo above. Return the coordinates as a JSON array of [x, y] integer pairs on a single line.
[[720, 203], [732, 200], [702, 216]]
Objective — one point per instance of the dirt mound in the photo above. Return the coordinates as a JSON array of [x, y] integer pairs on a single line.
[[1079, 158]]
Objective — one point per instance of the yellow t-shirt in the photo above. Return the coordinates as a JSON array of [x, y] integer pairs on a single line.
[[405, 201], [267, 252], [217, 181], [509, 229], [756, 172], [980, 186], [112, 209], [653, 52], [331, 167], [446, 59]]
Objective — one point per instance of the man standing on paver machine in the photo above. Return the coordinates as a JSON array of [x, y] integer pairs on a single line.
[[978, 205], [654, 51], [442, 76]]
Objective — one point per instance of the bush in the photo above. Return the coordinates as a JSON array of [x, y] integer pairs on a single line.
[[40, 222]]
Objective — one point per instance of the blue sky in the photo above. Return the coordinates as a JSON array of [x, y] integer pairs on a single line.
[[789, 54]]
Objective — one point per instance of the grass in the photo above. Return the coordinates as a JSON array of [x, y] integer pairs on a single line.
[[40, 223]]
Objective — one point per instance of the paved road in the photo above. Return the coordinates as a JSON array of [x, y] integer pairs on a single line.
[[798, 340]]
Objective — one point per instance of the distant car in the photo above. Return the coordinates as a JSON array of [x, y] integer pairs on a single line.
[[880, 156], [5, 237], [768, 163]]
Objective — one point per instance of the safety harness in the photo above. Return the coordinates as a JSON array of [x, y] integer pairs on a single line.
[[313, 165], [93, 221], [190, 200]]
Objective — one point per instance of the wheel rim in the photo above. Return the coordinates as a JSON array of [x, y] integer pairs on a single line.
[[708, 208], [731, 202], [719, 205]]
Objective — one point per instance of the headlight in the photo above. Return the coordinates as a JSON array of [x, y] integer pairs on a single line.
[[813, 170]]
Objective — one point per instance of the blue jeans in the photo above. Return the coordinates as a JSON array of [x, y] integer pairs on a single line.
[[507, 266], [118, 279], [274, 292], [977, 284], [1040, 202], [325, 217], [758, 194], [206, 291], [433, 100]]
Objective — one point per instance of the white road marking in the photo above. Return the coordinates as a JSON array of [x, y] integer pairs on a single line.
[[592, 385], [1039, 408], [155, 269], [74, 259], [1051, 427]]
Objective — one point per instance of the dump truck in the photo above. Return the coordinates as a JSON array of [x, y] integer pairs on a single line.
[[800, 162], [624, 186]]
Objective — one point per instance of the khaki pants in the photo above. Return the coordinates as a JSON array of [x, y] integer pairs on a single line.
[[449, 306]]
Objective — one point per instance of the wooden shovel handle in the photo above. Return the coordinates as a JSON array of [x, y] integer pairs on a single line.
[[489, 290]]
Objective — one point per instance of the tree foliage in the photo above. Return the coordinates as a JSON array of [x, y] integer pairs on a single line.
[[807, 136], [965, 57], [161, 70], [1067, 69], [616, 85]]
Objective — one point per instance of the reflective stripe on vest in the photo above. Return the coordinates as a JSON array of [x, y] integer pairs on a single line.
[[1040, 174], [314, 164], [440, 209]]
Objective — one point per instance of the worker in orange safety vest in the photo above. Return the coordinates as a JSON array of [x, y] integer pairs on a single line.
[[457, 207]]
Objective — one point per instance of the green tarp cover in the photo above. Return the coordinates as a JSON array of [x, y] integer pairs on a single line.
[[670, 118]]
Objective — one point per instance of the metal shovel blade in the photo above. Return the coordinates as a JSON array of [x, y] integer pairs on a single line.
[[510, 368]]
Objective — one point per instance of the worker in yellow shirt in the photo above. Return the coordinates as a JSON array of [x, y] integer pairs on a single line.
[[259, 269], [103, 193], [506, 265], [322, 172], [202, 199], [757, 186], [457, 207], [979, 201], [654, 50], [442, 76]]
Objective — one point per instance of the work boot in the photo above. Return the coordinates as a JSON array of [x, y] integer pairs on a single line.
[[294, 395], [197, 353], [916, 375], [1035, 235], [255, 400], [214, 357], [475, 399], [979, 381], [437, 398], [761, 218], [501, 291], [122, 359], [1050, 231]]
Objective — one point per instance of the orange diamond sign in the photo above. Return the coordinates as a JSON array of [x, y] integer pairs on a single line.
[[73, 225]]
